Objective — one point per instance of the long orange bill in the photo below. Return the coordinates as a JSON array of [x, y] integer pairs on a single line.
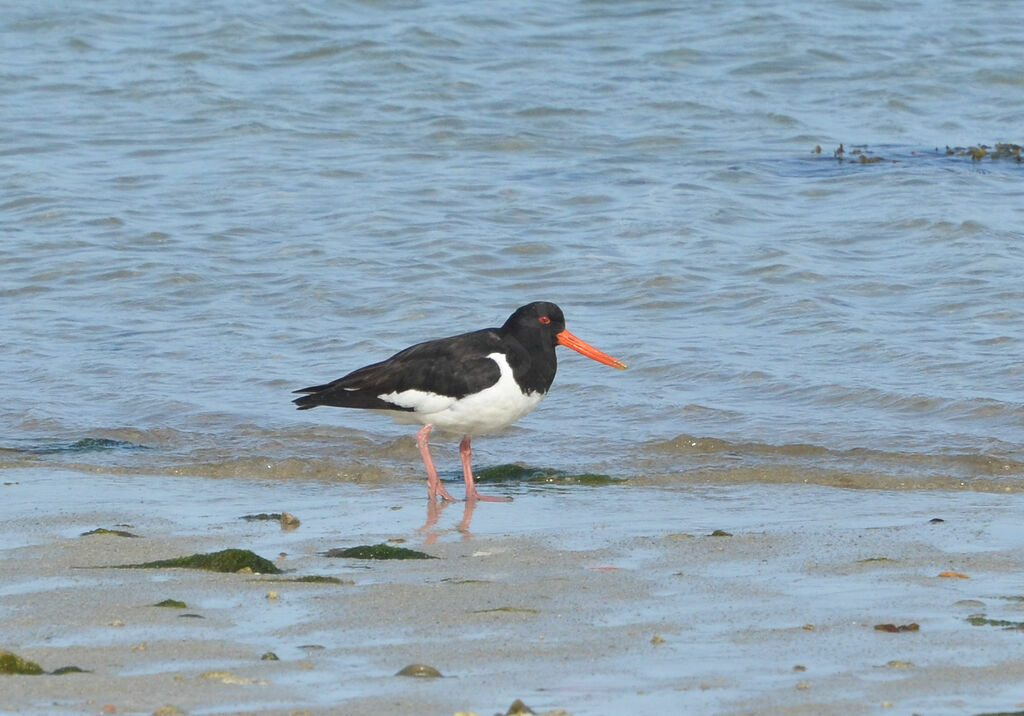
[[570, 341]]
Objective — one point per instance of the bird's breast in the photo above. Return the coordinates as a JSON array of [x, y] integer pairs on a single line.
[[487, 410]]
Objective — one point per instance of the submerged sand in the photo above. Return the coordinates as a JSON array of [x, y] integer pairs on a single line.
[[604, 600]]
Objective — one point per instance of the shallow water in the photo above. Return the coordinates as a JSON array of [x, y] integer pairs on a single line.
[[202, 210]]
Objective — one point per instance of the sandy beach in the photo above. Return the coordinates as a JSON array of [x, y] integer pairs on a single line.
[[589, 600]]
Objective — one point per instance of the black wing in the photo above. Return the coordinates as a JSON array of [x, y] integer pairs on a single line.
[[454, 367]]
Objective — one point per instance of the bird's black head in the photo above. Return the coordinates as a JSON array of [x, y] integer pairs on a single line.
[[537, 318], [542, 324]]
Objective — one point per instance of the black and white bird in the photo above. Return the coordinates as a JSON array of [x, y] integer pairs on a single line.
[[470, 384]]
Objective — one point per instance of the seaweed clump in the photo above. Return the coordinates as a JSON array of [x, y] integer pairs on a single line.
[[227, 560], [543, 475], [312, 579], [11, 663], [983, 620], [377, 551], [105, 531]]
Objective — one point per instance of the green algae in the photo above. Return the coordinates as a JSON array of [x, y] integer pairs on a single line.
[[312, 579], [172, 604], [227, 560], [105, 531], [11, 663], [85, 445], [983, 620], [720, 533], [262, 517], [377, 551], [543, 475], [286, 520], [69, 670]]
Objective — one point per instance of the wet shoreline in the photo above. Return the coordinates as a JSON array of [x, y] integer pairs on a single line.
[[582, 599]]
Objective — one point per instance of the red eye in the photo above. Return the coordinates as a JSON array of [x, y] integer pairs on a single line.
[[544, 319]]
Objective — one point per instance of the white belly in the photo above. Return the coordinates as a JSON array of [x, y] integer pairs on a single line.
[[485, 412]]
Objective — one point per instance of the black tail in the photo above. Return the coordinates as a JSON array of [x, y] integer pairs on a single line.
[[306, 401], [342, 394], [314, 397]]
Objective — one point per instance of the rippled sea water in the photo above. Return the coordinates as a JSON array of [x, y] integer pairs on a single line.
[[203, 209]]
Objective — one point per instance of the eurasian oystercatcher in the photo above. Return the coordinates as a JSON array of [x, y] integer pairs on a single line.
[[469, 384]]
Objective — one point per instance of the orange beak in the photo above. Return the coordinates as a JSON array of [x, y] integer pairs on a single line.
[[570, 341]]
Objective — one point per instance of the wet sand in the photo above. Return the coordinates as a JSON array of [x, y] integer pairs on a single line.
[[603, 600]]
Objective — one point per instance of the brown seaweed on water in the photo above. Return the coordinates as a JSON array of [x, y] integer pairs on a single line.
[[977, 153], [913, 626]]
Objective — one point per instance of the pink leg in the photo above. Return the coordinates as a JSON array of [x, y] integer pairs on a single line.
[[434, 486], [466, 453]]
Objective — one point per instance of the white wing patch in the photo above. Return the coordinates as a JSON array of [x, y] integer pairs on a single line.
[[489, 410], [420, 401]]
